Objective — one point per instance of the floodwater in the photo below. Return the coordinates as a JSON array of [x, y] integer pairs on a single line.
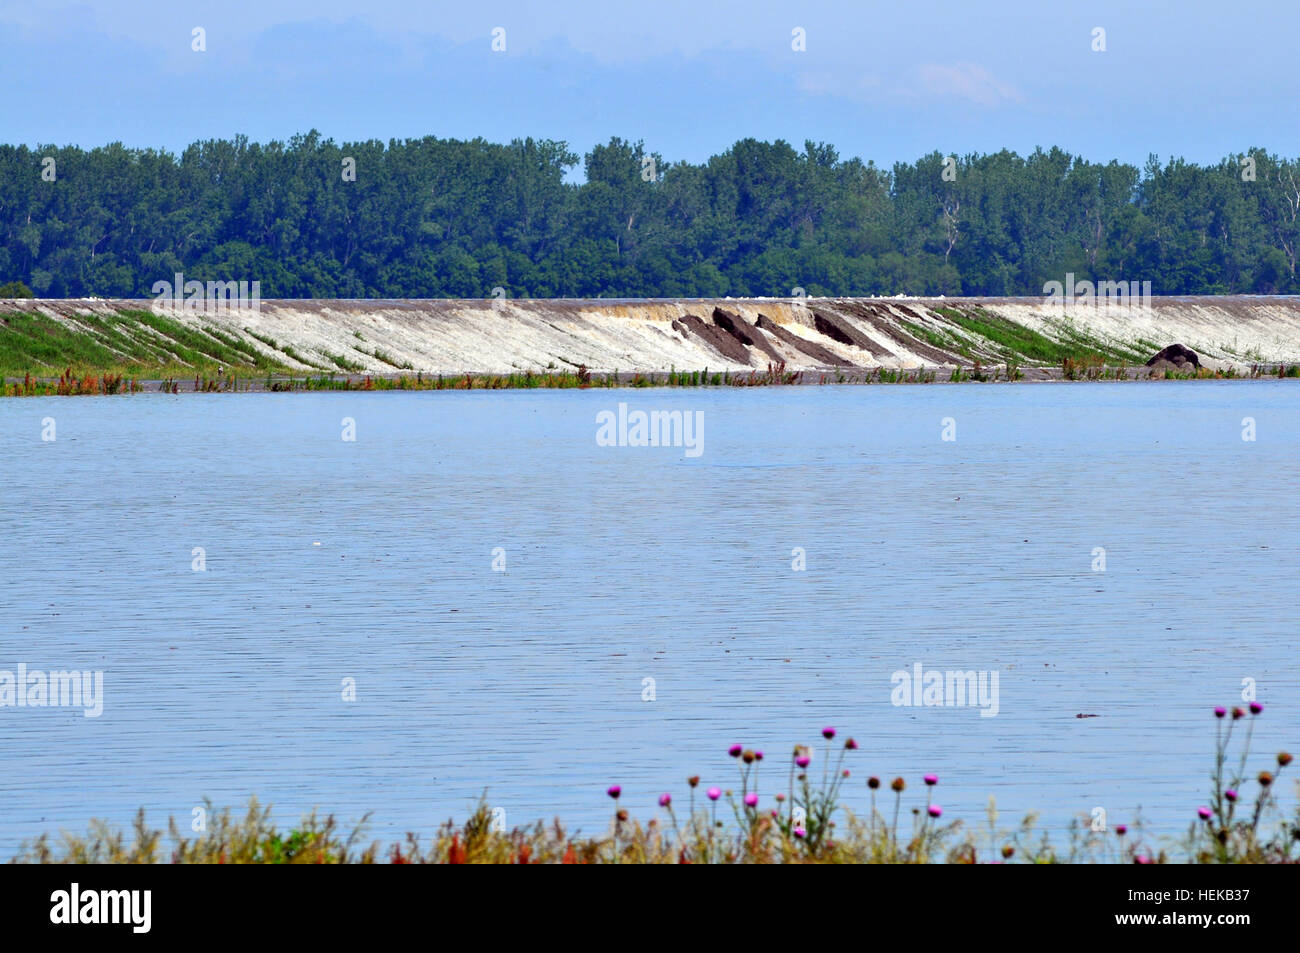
[[326, 560]]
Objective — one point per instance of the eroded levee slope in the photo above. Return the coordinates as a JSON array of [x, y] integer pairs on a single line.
[[457, 336]]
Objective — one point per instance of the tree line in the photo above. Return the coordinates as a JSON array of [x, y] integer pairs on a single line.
[[449, 218]]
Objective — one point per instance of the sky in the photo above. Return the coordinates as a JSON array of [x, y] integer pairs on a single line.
[[886, 82]]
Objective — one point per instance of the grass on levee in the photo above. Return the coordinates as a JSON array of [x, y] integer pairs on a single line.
[[1019, 342], [127, 345]]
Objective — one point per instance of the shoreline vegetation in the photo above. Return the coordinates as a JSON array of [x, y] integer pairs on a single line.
[[813, 820], [98, 382]]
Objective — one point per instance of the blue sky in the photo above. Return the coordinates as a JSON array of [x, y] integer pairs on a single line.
[[883, 81]]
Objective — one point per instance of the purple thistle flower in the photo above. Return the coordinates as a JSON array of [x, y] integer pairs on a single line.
[[665, 800], [1230, 794], [935, 810], [1204, 813], [1219, 711], [828, 733], [1121, 829], [931, 779], [614, 791], [1256, 708], [751, 799], [803, 760], [713, 793], [800, 832], [735, 751]]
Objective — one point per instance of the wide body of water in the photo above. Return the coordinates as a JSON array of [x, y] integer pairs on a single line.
[[629, 563]]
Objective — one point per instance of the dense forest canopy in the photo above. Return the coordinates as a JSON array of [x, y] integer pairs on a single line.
[[446, 218]]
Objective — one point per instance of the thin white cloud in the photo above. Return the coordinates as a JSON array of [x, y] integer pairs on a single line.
[[846, 83], [968, 81]]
